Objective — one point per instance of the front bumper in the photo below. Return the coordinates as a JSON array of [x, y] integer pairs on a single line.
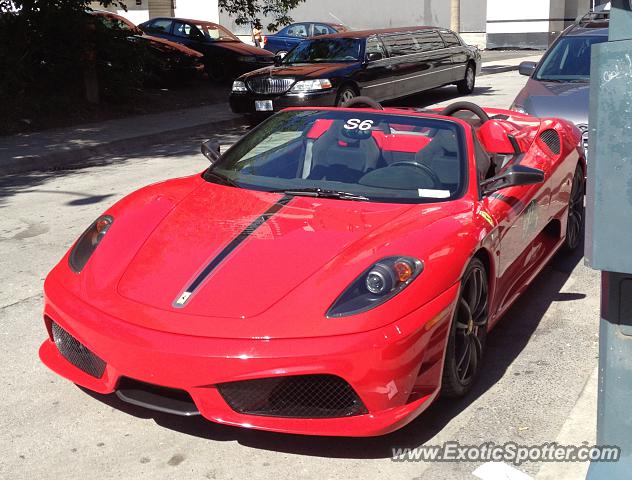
[[395, 370], [244, 103]]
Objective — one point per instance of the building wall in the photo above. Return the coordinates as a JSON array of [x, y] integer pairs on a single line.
[[364, 14]]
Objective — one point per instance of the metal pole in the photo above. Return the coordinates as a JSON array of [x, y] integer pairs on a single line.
[[608, 234], [455, 23]]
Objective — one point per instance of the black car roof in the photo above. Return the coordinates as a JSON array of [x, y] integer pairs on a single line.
[[583, 31], [362, 34]]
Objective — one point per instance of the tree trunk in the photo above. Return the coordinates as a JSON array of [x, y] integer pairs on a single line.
[[455, 23]]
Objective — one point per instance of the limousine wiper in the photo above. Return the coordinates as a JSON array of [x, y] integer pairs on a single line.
[[322, 193]]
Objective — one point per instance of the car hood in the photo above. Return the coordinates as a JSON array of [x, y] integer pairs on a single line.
[[564, 100], [303, 70], [244, 49], [275, 258]]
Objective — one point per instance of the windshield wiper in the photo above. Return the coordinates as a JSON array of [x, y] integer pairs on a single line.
[[322, 193]]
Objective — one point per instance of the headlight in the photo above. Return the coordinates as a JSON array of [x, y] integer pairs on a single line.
[[519, 109], [376, 285], [88, 242], [239, 86], [311, 85], [247, 59]]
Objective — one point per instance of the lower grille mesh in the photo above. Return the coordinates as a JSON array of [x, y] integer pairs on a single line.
[[302, 396], [76, 353]]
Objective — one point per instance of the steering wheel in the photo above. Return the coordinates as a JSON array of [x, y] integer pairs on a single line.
[[450, 110], [432, 175], [362, 102]]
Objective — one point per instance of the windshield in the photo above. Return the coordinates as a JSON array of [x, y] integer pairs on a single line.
[[216, 33], [325, 50], [380, 157], [568, 60]]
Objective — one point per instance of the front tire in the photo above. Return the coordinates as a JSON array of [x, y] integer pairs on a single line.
[[575, 221], [466, 86], [344, 95], [468, 333]]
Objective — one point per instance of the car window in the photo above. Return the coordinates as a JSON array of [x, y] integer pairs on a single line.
[[325, 51], [374, 45], [400, 44], [297, 30], [450, 39], [160, 26], [185, 30], [568, 60], [384, 157], [211, 31], [429, 40], [320, 29]]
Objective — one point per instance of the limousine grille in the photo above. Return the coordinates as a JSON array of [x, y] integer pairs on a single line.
[[270, 85]]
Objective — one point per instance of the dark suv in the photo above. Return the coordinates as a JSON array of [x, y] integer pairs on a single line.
[[383, 64], [560, 83]]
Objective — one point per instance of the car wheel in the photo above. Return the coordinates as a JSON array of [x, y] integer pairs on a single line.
[[282, 53], [344, 95], [468, 333], [466, 86], [575, 222]]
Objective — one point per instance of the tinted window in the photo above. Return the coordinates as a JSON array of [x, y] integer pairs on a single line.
[[429, 41], [400, 44], [568, 60], [160, 26], [451, 40], [325, 50], [364, 153]]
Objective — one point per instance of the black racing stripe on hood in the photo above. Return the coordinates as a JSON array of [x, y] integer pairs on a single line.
[[228, 249]]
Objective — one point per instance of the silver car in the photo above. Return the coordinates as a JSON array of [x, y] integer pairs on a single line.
[[560, 83]]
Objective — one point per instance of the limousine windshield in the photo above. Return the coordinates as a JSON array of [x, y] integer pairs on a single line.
[[325, 51], [350, 155]]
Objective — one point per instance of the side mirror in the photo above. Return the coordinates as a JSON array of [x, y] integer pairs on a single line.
[[374, 56], [210, 149], [514, 176], [527, 68], [278, 59]]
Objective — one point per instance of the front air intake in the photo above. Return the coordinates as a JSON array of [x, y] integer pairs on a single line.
[[77, 353], [301, 396]]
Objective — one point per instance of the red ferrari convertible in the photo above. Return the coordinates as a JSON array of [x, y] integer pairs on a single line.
[[332, 273]]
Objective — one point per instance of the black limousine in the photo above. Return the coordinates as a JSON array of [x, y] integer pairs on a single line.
[[381, 64]]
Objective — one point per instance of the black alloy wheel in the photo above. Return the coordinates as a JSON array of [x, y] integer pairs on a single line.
[[468, 333]]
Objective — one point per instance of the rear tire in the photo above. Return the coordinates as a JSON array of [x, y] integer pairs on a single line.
[[576, 212], [468, 333], [466, 86], [344, 95]]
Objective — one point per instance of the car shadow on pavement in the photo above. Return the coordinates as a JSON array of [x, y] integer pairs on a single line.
[[504, 345]]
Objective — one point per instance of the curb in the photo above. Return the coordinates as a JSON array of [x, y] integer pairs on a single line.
[[72, 157], [500, 69]]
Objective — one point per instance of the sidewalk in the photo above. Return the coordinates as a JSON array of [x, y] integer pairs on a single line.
[[58, 148]]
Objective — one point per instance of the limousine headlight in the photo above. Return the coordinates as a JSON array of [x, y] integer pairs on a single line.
[[311, 85], [239, 86]]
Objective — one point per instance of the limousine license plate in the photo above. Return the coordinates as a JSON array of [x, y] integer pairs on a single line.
[[263, 105]]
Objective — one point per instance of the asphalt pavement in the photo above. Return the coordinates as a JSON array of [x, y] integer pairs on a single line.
[[540, 357]]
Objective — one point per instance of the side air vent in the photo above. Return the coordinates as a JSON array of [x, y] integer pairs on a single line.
[[552, 140]]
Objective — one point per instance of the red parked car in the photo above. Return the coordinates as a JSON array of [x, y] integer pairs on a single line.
[[330, 274]]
